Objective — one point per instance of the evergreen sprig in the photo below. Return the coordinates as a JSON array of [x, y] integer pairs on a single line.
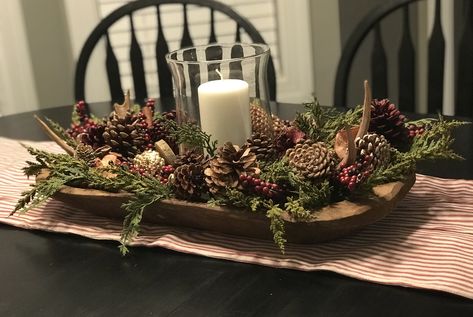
[[323, 123], [274, 213], [191, 135], [135, 208]]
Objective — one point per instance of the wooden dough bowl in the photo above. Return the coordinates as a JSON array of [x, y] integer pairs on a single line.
[[330, 222]]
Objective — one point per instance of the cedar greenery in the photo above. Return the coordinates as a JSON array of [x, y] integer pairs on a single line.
[[302, 197], [323, 123], [191, 135]]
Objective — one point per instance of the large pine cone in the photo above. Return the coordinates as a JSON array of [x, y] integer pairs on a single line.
[[226, 167], [261, 121], [312, 160], [124, 133], [262, 146], [374, 146], [387, 120], [188, 181]]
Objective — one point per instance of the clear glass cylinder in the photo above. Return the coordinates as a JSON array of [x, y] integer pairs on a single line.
[[223, 88]]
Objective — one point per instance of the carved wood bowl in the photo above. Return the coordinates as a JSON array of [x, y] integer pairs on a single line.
[[331, 222]]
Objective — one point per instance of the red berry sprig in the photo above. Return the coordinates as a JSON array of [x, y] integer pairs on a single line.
[[81, 110], [352, 175], [150, 104], [166, 171], [258, 186]]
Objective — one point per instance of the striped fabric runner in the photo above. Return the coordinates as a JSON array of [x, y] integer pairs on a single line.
[[426, 242]]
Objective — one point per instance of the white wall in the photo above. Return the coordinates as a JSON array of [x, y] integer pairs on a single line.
[[17, 86], [326, 46]]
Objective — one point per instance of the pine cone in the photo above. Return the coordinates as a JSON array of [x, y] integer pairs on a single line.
[[159, 131], [262, 146], [191, 157], [387, 120], [86, 153], [261, 121], [124, 132], [279, 125], [150, 162], [374, 146], [288, 139], [312, 160], [188, 181], [226, 167]]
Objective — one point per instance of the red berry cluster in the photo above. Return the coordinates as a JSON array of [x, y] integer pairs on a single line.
[[85, 126], [352, 175], [166, 171], [260, 187], [150, 103], [415, 130], [81, 110]]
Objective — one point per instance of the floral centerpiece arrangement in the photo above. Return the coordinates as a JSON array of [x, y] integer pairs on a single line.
[[290, 168]]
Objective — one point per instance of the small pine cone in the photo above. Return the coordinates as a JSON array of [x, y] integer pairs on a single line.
[[262, 146], [159, 130], [191, 157], [86, 153], [188, 181], [279, 125], [288, 139], [261, 121], [374, 146], [229, 163], [387, 120], [149, 161], [312, 160]]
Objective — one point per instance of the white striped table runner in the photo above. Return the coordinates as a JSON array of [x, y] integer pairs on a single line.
[[426, 242]]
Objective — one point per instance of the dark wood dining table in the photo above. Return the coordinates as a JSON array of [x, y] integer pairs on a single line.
[[50, 274]]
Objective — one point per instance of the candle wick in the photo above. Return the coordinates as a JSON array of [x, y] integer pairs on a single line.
[[219, 73]]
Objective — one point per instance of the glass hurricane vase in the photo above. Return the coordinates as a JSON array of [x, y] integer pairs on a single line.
[[223, 88]]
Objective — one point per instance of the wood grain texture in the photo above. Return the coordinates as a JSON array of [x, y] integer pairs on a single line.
[[331, 222]]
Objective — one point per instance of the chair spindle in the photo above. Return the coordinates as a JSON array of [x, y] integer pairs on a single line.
[[379, 66], [237, 34], [436, 64], [464, 95], [164, 74], [186, 40], [235, 67], [406, 67], [113, 73], [213, 37], [137, 68]]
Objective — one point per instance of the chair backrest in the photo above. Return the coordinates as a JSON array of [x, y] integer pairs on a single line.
[[407, 61], [161, 48]]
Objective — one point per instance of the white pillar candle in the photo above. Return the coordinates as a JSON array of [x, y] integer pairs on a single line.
[[225, 110]]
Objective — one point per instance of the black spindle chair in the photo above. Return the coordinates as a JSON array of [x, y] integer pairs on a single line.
[[135, 54], [406, 61]]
